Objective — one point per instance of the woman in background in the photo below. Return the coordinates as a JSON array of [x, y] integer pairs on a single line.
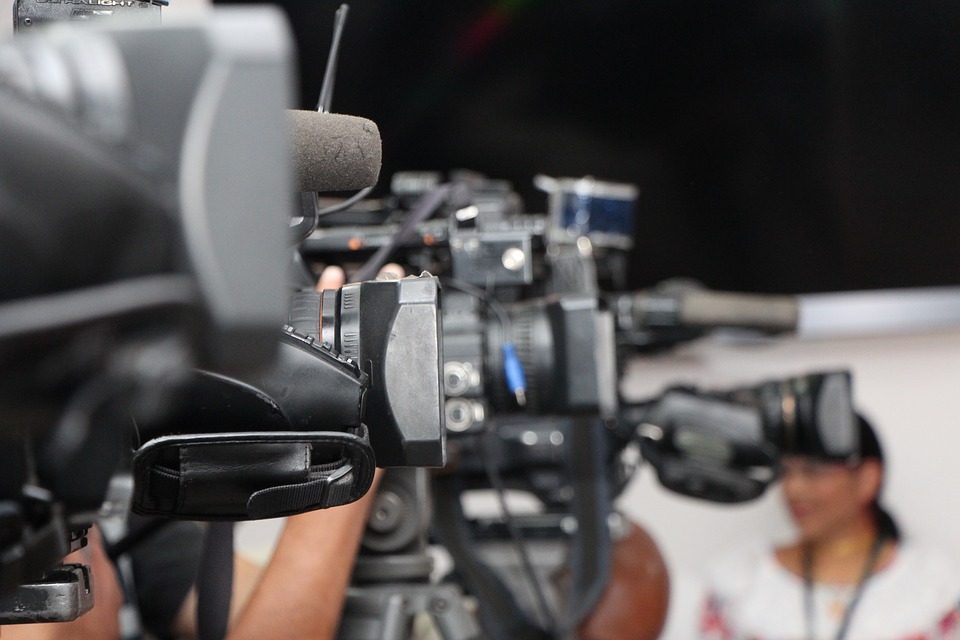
[[850, 575]]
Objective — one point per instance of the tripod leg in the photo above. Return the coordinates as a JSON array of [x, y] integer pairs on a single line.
[[451, 616], [396, 620], [388, 613]]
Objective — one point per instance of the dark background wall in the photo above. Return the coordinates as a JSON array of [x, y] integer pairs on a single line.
[[792, 146]]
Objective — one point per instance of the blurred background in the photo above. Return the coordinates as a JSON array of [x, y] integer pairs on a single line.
[[781, 146], [786, 146]]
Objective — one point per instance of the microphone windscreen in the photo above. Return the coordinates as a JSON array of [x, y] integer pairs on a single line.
[[334, 152]]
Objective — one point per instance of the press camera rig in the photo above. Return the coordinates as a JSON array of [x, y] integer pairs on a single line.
[[536, 326]]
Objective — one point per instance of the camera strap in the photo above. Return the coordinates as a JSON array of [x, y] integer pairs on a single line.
[[215, 581], [251, 475], [591, 547]]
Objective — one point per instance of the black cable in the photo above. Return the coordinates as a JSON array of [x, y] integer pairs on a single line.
[[513, 370], [340, 206], [425, 207], [304, 226], [486, 299], [493, 475]]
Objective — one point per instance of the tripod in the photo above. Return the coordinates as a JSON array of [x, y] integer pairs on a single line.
[[391, 582], [392, 597]]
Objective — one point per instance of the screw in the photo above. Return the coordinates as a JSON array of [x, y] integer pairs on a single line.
[[513, 259]]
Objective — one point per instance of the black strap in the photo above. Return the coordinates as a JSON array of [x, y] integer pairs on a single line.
[[868, 568], [327, 489], [215, 582], [296, 472], [591, 548], [324, 490]]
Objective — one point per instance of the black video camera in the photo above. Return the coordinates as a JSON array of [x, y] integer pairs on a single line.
[[524, 324], [356, 384], [725, 446], [119, 280], [148, 294]]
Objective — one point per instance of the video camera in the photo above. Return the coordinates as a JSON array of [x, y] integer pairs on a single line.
[[725, 446], [146, 297], [535, 318], [536, 324]]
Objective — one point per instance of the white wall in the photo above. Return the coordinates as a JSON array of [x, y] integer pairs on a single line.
[[905, 383]]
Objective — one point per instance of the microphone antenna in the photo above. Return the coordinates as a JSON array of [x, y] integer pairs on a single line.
[[323, 106], [330, 74]]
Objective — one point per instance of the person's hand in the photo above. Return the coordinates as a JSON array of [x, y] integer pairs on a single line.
[[305, 583], [333, 277]]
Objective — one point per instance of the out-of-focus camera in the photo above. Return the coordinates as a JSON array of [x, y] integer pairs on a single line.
[[725, 446], [146, 200]]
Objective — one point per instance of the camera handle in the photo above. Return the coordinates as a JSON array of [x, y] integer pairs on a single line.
[[391, 590]]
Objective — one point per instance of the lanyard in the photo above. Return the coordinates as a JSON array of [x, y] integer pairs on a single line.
[[857, 593]]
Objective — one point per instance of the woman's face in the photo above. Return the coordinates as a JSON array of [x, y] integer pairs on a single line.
[[825, 497]]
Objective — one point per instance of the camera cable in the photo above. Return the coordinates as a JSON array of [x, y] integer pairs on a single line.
[[493, 475], [513, 371], [499, 611], [426, 206]]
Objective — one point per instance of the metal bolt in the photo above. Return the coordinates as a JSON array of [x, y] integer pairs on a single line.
[[513, 259], [456, 378], [459, 414], [584, 246], [387, 512]]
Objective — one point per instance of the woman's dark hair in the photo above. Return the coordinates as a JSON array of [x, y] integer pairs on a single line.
[[870, 449]]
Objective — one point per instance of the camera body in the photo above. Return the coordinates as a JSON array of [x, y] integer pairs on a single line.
[[356, 384], [536, 322], [119, 282], [522, 292], [172, 319], [725, 446]]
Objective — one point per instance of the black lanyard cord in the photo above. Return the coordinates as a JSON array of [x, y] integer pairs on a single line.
[[868, 568]]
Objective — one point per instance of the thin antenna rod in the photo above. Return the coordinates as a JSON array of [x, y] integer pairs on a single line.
[[329, 75]]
